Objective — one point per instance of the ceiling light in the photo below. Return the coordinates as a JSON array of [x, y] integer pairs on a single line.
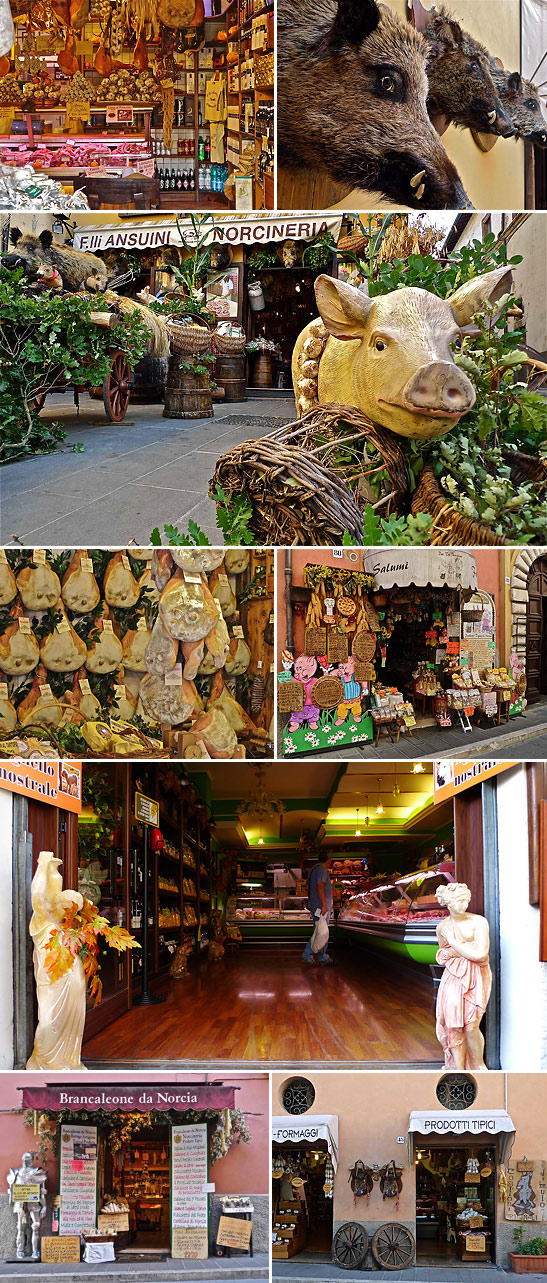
[[379, 808], [261, 841], [357, 831], [396, 790], [367, 820], [418, 769]]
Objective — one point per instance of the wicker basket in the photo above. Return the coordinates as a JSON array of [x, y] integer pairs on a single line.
[[188, 340], [228, 344], [352, 244], [450, 527], [328, 692]]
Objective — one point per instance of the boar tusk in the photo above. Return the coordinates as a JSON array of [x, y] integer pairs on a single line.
[[491, 117], [417, 178], [420, 191]]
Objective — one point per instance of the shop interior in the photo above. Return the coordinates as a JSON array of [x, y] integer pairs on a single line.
[[281, 302], [455, 1204], [226, 924], [171, 117], [141, 1176], [302, 1200]]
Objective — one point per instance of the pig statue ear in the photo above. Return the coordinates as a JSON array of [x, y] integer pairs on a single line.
[[343, 309], [472, 296], [354, 21]]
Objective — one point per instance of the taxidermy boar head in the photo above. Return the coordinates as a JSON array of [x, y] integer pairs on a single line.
[[461, 89], [522, 103], [352, 90]]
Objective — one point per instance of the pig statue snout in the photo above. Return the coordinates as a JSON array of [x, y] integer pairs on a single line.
[[440, 388]]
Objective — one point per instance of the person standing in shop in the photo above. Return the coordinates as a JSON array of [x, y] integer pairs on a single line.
[[319, 904]]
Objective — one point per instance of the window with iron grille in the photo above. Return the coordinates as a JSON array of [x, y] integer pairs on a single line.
[[456, 1091], [298, 1095]]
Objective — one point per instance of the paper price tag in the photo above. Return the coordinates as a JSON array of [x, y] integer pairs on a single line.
[[191, 579], [237, 631], [39, 556], [46, 689], [174, 676], [24, 625], [259, 663], [86, 564], [84, 686], [125, 561], [63, 627], [119, 692], [107, 626], [4, 690], [142, 625], [222, 577], [271, 619]]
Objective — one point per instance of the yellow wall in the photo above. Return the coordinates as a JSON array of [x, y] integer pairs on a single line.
[[373, 1109], [495, 179]]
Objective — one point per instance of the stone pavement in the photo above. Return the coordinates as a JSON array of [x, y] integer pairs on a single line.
[[131, 476], [523, 738], [220, 1269], [313, 1273]]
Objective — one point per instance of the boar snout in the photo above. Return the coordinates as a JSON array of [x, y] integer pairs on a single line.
[[439, 388], [491, 118], [429, 181]]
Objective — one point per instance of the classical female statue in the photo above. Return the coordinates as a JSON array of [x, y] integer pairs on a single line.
[[61, 1002], [464, 943]]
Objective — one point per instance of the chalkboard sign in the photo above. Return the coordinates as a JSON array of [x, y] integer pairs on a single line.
[[233, 1232]]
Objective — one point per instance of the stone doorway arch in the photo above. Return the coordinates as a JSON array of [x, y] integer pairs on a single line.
[[524, 570]]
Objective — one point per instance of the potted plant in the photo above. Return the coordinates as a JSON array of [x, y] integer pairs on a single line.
[[530, 1255]]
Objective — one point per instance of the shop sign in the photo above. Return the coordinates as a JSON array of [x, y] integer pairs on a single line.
[[246, 231], [147, 810], [61, 1250], [78, 1178], [59, 783], [26, 1193], [320, 1127], [439, 568], [427, 1122], [234, 1232], [475, 1243], [129, 1099], [526, 1185], [189, 1199], [113, 1222], [450, 777]]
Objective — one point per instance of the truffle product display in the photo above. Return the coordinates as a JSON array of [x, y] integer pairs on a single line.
[[124, 653]]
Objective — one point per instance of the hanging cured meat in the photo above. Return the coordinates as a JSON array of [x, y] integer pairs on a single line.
[[79, 14], [66, 59], [19, 651], [135, 644], [8, 586], [62, 650], [188, 610], [161, 567], [120, 586], [162, 650], [39, 587], [196, 560], [140, 56], [103, 61], [40, 707], [80, 590], [177, 13], [216, 733], [219, 585], [8, 714], [105, 652], [170, 704]]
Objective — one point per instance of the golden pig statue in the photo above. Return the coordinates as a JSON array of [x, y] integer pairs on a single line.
[[391, 356]]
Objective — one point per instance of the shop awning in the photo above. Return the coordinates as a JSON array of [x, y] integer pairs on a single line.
[[466, 1125], [114, 1096], [438, 567], [249, 229], [308, 1130]]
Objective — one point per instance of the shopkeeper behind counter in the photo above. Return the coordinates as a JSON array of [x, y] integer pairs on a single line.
[[319, 904]]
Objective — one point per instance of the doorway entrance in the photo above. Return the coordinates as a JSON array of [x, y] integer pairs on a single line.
[[455, 1205], [142, 1176], [302, 1201], [536, 632]]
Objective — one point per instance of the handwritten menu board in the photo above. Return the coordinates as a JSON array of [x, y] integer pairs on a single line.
[[78, 1178], [234, 1232], [189, 1202], [61, 1250]]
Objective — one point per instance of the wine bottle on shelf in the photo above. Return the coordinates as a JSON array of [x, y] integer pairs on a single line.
[[172, 180], [180, 181], [185, 183], [192, 180]]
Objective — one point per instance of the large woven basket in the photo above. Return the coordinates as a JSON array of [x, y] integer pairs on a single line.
[[450, 526], [228, 344], [188, 340], [353, 243]]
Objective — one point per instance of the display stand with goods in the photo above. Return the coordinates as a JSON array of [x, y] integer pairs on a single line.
[[141, 108], [136, 653]]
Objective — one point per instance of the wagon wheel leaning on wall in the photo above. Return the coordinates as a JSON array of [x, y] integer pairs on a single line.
[[393, 1246], [350, 1246], [117, 388]]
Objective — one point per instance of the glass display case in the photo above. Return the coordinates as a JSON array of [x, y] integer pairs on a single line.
[[266, 918], [400, 916]]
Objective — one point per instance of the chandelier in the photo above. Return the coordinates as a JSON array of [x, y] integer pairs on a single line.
[[260, 805]]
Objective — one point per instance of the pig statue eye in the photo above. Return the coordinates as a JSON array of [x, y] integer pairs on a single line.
[[379, 345], [458, 343]]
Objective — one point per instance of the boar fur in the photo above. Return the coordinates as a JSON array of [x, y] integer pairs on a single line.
[[522, 103], [352, 90], [74, 266], [461, 89]]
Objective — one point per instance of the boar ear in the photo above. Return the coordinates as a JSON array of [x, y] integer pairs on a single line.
[[497, 62], [472, 296], [421, 15], [354, 21], [46, 239], [514, 82], [15, 235], [343, 309]]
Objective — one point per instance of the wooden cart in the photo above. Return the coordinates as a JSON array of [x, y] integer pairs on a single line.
[[115, 390]]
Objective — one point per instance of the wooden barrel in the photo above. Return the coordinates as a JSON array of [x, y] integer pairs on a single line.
[[230, 375], [262, 373], [187, 396]]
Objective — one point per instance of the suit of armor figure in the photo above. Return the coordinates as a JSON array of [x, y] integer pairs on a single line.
[[29, 1213]]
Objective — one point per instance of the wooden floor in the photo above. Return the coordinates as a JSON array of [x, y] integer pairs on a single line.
[[265, 1004]]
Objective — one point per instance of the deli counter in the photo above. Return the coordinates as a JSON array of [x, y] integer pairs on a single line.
[[399, 916], [266, 919]]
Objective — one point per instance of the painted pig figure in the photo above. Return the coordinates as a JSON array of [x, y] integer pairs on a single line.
[[391, 356], [461, 88], [522, 103], [352, 90]]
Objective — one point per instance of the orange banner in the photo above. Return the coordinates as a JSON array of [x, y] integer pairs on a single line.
[[453, 777], [59, 783]]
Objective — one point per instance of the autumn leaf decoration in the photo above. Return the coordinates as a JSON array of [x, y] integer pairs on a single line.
[[78, 936]]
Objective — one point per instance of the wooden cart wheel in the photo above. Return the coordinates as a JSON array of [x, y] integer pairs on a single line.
[[117, 388], [350, 1246], [393, 1246]]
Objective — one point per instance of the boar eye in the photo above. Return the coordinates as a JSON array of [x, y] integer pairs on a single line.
[[389, 83], [531, 104]]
